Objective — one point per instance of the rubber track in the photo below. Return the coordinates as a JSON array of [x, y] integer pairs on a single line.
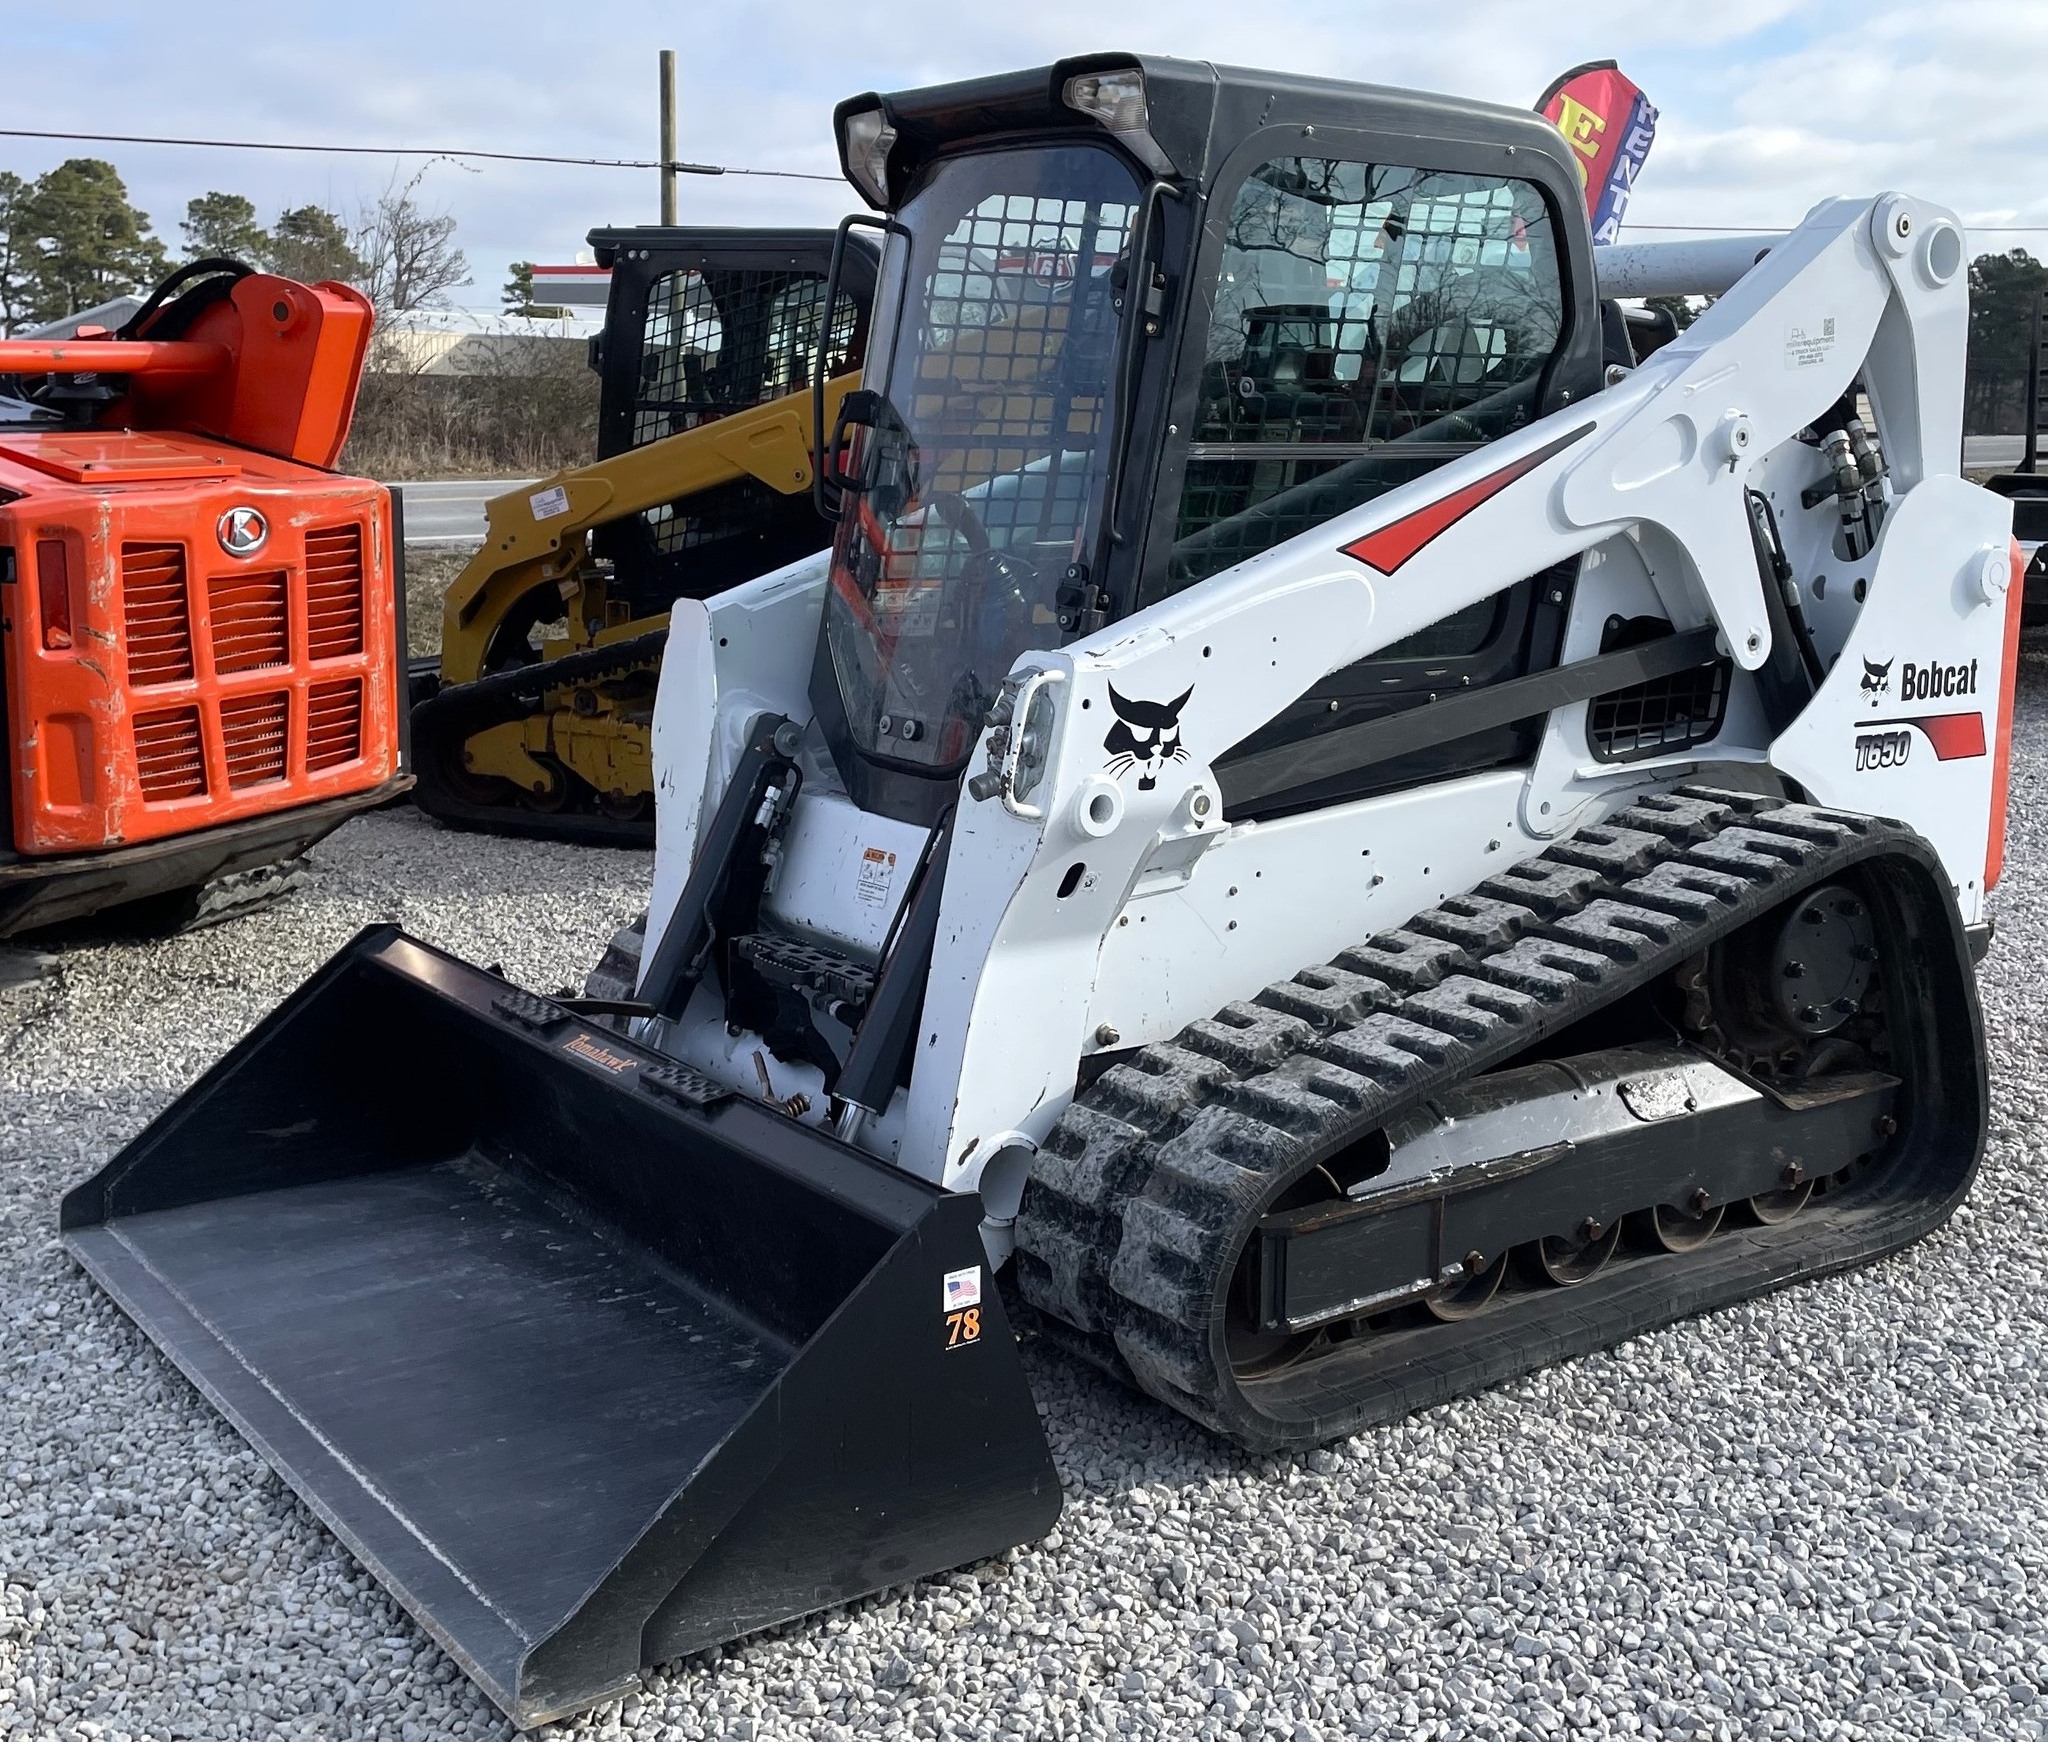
[[1149, 1185], [239, 892], [459, 710]]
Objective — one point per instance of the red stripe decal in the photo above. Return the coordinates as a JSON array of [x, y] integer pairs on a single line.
[[1954, 736], [2008, 674], [1392, 545]]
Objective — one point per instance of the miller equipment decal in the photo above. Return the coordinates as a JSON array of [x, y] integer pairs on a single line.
[[1146, 736]]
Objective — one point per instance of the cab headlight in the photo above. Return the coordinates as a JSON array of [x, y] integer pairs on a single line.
[[1116, 100], [869, 138]]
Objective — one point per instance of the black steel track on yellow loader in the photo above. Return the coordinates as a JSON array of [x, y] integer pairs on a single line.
[[592, 1362], [1157, 1177]]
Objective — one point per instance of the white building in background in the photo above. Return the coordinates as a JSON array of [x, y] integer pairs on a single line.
[[460, 341], [111, 315], [489, 341]]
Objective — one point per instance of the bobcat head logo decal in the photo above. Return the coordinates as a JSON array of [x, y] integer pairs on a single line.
[[1877, 679], [1146, 736]]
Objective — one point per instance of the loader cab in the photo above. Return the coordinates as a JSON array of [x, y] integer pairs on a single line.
[[1139, 320], [700, 324]]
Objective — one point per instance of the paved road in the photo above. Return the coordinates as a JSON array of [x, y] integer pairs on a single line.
[[1992, 453], [450, 510]]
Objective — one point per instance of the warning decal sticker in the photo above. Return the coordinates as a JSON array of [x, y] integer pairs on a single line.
[[876, 877]]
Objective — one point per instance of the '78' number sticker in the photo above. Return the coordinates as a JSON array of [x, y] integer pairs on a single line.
[[963, 1307]]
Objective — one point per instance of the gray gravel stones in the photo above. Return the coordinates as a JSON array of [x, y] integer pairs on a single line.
[[1821, 1515]]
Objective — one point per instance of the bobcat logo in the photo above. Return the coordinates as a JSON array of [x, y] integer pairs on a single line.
[[1146, 736], [1877, 679]]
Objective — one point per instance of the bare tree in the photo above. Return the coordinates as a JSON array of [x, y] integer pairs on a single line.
[[408, 250]]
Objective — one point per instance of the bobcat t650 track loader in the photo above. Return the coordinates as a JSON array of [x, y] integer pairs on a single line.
[[1356, 835]]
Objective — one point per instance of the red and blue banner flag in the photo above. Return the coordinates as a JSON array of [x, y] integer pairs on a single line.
[[1609, 124]]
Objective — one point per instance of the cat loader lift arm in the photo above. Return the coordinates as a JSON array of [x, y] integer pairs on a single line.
[[539, 539]]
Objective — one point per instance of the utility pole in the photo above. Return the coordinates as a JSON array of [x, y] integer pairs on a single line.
[[668, 136]]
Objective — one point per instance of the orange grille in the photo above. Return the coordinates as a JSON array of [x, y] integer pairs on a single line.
[[255, 733], [156, 616], [334, 723], [170, 755], [249, 622], [198, 691], [334, 592]]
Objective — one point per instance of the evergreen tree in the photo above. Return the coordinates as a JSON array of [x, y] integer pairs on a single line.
[[223, 226], [1679, 308], [17, 251], [90, 244], [2003, 291]]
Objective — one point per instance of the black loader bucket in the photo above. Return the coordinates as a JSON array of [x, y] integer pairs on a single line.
[[591, 1362]]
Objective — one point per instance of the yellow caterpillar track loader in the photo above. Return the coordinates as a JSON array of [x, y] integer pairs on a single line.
[[536, 719], [1349, 830]]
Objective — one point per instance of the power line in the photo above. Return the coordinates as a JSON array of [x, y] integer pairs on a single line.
[[734, 169], [413, 151]]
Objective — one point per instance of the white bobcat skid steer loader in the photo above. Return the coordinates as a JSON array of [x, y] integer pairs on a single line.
[[1358, 834]]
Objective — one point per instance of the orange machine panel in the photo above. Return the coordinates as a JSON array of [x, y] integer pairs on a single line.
[[188, 648], [274, 366]]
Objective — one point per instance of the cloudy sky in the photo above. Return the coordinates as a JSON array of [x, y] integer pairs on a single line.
[[1767, 105]]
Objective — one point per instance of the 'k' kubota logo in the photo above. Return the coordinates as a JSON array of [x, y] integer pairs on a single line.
[[243, 531]]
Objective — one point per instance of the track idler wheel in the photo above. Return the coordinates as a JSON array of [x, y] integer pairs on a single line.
[[1452, 1301], [1677, 1228], [1563, 1262], [1771, 1208]]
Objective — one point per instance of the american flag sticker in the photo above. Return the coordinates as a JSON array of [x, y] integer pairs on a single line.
[[963, 1289]]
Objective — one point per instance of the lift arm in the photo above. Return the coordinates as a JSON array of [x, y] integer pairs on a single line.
[[537, 533]]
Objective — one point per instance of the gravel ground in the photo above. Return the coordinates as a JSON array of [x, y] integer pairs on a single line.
[[1820, 1515]]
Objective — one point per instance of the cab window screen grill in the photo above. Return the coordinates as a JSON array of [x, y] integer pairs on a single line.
[[986, 461], [1370, 322], [723, 341], [1008, 386]]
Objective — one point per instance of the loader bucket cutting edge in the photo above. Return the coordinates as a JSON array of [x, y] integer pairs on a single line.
[[590, 1377]]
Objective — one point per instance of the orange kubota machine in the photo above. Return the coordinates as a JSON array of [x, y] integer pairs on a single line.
[[202, 622]]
